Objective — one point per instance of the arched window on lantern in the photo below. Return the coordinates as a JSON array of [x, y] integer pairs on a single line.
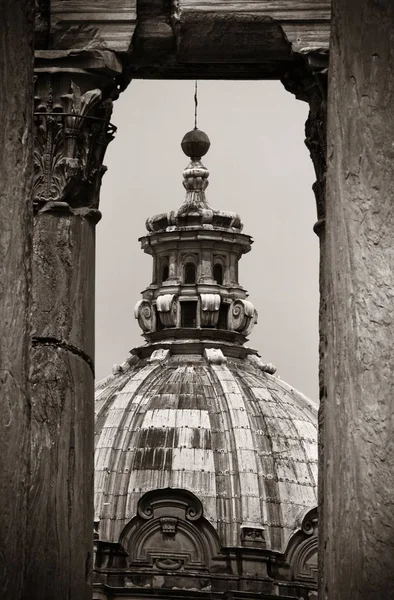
[[190, 273], [218, 273], [165, 273]]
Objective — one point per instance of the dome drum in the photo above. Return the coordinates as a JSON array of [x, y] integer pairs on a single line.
[[170, 548], [193, 342]]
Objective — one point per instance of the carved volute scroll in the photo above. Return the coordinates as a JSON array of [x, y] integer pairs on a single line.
[[145, 314], [167, 308], [72, 131], [182, 503], [210, 304], [242, 316]]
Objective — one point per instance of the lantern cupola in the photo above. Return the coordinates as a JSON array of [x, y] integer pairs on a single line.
[[195, 296]]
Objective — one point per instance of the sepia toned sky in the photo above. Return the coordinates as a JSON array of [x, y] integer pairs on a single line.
[[259, 167]]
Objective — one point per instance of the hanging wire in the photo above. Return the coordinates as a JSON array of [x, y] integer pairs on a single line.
[[195, 105]]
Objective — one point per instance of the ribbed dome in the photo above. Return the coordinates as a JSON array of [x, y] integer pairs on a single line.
[[243, 441]]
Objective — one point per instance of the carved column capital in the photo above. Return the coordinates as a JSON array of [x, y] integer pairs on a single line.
[[72, 111], [308, 82]]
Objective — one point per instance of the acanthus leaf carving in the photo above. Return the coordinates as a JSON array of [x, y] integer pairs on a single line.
[[71, 134]]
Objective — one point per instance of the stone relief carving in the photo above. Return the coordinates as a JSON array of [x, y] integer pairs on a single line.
[[170, 533], [252, 536], [159, 355], [168, 564], [260, 364], [167, 308], [305, 561], [215, 356], [185, 502], [242, 316], [308, 82], [71, 135], [210, 304], [146, 316], [168, 526], [303, 546]]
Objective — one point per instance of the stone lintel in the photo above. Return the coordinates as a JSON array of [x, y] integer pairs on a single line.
[[216, 39], [97, 24], [104, 61], [221, 39]]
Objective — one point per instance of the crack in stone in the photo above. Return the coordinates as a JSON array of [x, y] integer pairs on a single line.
[[51, 341]]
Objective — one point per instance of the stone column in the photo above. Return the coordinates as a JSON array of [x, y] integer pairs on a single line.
[[16, 149], [308, 82], [358, 465], [73, 104]]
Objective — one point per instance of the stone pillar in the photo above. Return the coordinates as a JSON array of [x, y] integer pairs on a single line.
[[73, 104], [16, 148], [232, 271], [308, 82], [206, 266], [173, 266], [358, 462]]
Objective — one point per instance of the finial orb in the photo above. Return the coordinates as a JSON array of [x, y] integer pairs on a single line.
[[195, 143]]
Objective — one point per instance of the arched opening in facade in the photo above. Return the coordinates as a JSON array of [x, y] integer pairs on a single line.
[[218, 273], [189, 273], [165, 273]]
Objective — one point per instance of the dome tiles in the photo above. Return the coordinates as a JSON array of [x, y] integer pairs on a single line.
[[240, 439]]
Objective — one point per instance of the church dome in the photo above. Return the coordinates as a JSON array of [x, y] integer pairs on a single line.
[[239, 438], [202, 453]]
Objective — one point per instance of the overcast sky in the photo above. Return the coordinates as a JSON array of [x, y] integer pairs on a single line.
[[259, 167]]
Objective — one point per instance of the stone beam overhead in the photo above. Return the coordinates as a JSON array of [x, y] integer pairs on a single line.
[[304, 23], [211, 39], [94, 24]]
